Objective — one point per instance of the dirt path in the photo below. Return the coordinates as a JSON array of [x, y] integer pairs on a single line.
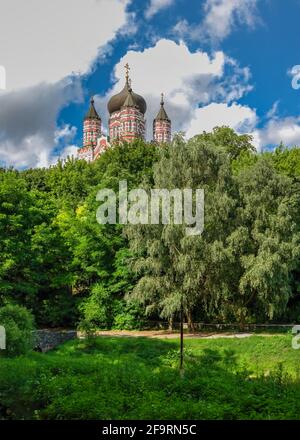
[[164, 334]]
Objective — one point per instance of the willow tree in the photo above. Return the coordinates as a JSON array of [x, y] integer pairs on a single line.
[[266, 243], [176, 268]]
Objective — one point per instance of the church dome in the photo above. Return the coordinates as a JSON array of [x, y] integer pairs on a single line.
[[117, 101], [162, 114], [92, 112]]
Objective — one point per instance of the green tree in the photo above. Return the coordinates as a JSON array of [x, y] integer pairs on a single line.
[[175, 267], [17, 218], [19, 325], [100, 274], [227, 139], [265, 245]]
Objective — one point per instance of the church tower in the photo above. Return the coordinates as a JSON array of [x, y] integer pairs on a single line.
[[91, 126], [91, 133], [127, 110], [162, 125], [126, 123]]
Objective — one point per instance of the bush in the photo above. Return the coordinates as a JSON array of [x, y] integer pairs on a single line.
[[19, 325], [103, 309], [59, 310], [96, 308], [127, 315]]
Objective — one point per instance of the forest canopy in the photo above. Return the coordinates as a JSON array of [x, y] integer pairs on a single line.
[[58, 262]]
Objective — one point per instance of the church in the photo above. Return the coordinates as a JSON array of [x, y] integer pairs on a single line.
[[126, 122]]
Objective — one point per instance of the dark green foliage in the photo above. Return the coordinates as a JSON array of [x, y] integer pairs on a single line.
[[17, 219], [34, 259], [53, 253], [137, 378], [19, 325], [287, 161], [56, 260], [241, 267], [100, 272], [103, 309], [228, 140]]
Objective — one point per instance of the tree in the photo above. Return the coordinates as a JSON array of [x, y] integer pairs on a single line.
[[265, 245], [175, 267], [60, 263], [100, 274], [17, 219], [34, 259], [287, 161], [231, 142], [19, 325], [241, 266]]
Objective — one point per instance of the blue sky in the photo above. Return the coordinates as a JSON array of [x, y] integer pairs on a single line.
[[217, 61]]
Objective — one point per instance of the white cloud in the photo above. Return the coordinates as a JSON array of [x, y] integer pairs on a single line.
[[155, 6], [243, 119], [66, 132], [286, 130], [45, 41], [29, 135], [220, 19], [69, 151], [187, 79], [223, 15], [42, 44], [167, 66], [277, 130]]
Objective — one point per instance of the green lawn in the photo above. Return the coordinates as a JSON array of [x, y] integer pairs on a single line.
[[138, 378]]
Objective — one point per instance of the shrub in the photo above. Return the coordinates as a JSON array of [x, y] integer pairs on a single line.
[[59, 310], [19, 325], [103, 309], [96, 308], [127, 315]]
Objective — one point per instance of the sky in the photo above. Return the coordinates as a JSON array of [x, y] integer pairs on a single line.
[[218, 62]]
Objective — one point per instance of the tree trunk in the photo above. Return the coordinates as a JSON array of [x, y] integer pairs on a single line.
[[171, 323], [242, 322], [190, 323]]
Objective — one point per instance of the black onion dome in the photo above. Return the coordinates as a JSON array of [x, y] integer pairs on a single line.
[[117, 101], [129, 101]]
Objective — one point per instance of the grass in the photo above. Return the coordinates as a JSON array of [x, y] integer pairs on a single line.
[[138, 378]]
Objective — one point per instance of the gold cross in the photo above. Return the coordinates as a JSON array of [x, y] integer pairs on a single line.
[[127, 71]]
